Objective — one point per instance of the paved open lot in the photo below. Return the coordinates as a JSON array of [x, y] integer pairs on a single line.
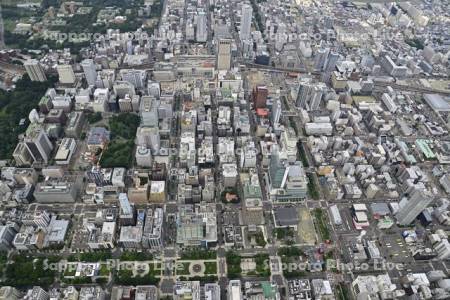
[[306, 231]]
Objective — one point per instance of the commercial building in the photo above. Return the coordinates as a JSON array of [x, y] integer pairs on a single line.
[[310, 95], [197, 225], [212, 291], [224, 54], [234, 290], [75, 123], [37, 293], [148, 111], [56, 231], [58, 190], [9, 293], [22, 155], [66, 74], [410, 207], [98, 138], [130, 236], [152, 235], [202, 27], [158, 191], [186, 290], [143, 156], [65, 151], [102, 238], [38, 144], [89, 70], [443, 249], [7, 234], [35, 70], [246, 22], [137, 78], [259, 95]]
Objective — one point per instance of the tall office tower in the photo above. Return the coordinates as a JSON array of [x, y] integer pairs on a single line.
[[66, 74], [7, 234], [276, 112], [321, 59], [443, 249], [10, 293], [38, 143], [212, 291], [136, 77], [35, 70], [224, 54], [310, 95], [143, 157], [22, 156], [2, 31], [202, 30], [149, 137], [413, 205], [90, 73], [154, 89], [148, 111], [125, 206], [332, 59], [260, 96], [37, 293], [234, 290], [278, 169], [246, 22]]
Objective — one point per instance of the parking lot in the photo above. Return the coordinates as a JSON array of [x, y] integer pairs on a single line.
[[395, 248]]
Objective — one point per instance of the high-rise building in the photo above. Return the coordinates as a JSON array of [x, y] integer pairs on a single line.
[[149, 137], [66, 74], [38, 144], [412, 205], [122, 88], [22, 156], [136, 77], [276, 112], [320, 59], [234, 290], [7, 234], [278, 170], [310, 95], [152, 235], [149, 111], [9, 293], [35, 70], [127, 212], [37, 293], [332, 59], [202, 30], [186, 290], [224, 54], [246, 22], [212, 291], [260, 96], [90, 73], [143, 156], [154, 89], [443, 249]]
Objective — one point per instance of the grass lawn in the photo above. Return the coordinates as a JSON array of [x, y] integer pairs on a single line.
[[104, 270], [211, 267], [321, 223], [182, 268], [70, 270]]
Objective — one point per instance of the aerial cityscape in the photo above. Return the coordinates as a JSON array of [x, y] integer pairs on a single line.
[[224, 149]]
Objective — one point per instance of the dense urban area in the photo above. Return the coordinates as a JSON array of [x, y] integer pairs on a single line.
[[224, 149]]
